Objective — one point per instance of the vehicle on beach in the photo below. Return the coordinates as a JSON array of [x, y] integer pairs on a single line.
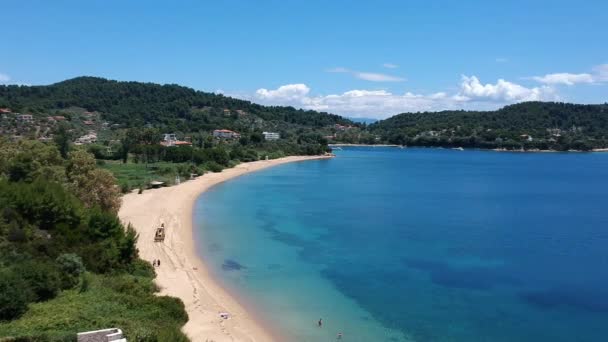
[[159, 236]]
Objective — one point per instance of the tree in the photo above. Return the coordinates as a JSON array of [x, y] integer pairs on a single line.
[[94, 187], [128, 246], [62, 140]]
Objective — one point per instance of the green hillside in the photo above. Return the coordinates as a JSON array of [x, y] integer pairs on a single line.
[[170, 106], [530, 125]]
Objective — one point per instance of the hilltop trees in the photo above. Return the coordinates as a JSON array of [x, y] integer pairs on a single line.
[[135, 104], [540, 125], [95, 187]]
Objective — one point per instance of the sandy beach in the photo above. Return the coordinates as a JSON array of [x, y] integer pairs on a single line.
[[182, 273]]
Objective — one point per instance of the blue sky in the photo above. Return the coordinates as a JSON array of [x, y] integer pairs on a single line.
[[356, 58]]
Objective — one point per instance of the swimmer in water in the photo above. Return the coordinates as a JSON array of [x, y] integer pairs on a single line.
[[320, 323]]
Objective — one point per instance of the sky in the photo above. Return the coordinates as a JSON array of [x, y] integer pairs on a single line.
[[353, 58]]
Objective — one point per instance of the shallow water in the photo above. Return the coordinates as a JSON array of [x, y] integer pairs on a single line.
[[390, 244]]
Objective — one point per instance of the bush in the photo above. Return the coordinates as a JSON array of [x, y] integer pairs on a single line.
[[173, 307], [213, 167], [124, 188], [141, 268], [13, 298], [72, 267], [85, 284], [71, 264], [42, 279], [171, 334]]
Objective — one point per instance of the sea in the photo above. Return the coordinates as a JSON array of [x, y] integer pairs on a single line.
[[415, 244]]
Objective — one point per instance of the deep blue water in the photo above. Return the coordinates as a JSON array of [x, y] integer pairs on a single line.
[[391, 244]]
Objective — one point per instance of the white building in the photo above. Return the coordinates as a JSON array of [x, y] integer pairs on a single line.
[[25, 118], [86, 139], [170, 139], [271, 135], [225, 133]]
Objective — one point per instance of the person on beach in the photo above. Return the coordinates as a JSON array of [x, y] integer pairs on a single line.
[[320, 323], [158, 262]]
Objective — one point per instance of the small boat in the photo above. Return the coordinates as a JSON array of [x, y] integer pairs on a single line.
[[458, 148]]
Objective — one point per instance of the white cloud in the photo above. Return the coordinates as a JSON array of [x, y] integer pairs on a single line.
[[374, 77], [338, 69], [286, 93], [367, 76], [4, 78], [390, 65], [599, 74], [564, 78], [502, 60], [471, 94], [502, 91]]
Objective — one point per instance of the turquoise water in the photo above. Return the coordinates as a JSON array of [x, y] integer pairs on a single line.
[[391, 244]]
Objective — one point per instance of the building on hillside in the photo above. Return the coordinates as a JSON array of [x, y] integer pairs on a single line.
[[86, 139], [170, 139], [5, 111], [271, 135], [526, 137], [59, 118], [342, 127], [225, 134], [88, 122], [25, 118]]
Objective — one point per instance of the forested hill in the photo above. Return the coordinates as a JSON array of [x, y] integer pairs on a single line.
[[137, 103], [529, 125]]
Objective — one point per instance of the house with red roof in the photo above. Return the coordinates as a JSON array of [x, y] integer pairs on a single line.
[[225, 134]]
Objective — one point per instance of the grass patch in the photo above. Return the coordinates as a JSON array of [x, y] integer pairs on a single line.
[[135, 175]]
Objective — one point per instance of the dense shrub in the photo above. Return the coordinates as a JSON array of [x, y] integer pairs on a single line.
[[13, 298], [42, 279], [72, 267]]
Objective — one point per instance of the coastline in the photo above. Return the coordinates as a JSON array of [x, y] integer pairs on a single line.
[[363, 145], [183, 273], [468, 148]]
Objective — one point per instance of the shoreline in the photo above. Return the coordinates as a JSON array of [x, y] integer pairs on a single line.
[[470, 148], [182, 273], [363, 145]]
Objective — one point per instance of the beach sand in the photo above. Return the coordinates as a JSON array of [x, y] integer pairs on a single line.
[[182, 273]]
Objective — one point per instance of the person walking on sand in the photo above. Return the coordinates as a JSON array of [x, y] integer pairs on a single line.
[[320, 323], [158, 262]]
